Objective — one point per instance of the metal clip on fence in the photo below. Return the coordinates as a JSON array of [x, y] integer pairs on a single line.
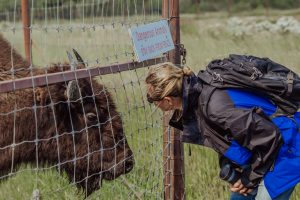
[[182, 53], [133, 57]]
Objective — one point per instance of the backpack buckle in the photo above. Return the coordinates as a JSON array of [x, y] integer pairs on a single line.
[[290, 78], [256, 74], [217, 77]]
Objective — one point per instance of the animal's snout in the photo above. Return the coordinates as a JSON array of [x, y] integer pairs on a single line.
[[129, 162]]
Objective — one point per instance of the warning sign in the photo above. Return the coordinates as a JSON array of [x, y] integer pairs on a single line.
[[151, 40]]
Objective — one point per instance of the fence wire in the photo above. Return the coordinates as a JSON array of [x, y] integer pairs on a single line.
[[95, 137]]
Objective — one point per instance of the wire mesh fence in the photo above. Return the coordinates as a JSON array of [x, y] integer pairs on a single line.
[[93, 136]]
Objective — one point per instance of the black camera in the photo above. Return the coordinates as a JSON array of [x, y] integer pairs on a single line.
[[229, 174]]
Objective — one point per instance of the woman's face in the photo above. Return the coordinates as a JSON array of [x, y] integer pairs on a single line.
[[166, 103]]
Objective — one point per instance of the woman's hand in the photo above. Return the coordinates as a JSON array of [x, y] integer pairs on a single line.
[[240, 188]]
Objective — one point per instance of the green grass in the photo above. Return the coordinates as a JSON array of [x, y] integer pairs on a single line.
[[143, 129]]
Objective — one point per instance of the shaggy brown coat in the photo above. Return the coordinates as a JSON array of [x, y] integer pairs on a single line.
[[42, 126]]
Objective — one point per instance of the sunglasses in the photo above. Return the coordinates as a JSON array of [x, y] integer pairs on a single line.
[[151, 99]]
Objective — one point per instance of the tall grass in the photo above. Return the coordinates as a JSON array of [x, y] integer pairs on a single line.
[[205, 39]]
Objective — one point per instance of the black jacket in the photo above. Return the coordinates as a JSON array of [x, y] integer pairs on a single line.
[[209, 118]]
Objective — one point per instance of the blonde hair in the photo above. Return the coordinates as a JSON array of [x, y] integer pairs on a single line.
[[166, 80]]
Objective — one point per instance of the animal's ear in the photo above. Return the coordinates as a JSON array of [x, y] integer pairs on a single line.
[[78, 57], [72, 91]]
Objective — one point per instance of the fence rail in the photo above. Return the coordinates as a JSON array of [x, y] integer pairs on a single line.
[[46, 79]]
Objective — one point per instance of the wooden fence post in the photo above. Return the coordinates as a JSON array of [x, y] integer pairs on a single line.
[[229, 7], [173, 152], [197, 7], [267, 5], [26, 29]]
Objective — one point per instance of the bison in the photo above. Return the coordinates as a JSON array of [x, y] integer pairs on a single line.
[[73, 126]]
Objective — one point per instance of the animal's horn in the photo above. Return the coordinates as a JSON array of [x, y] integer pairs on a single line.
[[73, 63], [72, 92], [78, 57]]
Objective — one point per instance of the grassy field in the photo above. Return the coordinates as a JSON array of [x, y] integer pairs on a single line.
[[205, 37]]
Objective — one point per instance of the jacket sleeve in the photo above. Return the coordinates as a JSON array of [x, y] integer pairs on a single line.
[[176, 120], [252, 130]]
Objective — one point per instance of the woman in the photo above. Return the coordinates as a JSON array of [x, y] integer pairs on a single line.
[[237, 125]]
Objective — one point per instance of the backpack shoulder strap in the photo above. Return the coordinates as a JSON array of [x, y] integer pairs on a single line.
[[205, 96], [205, 76], [290, 81]]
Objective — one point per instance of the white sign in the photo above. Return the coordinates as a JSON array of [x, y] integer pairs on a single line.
[[151, 40]]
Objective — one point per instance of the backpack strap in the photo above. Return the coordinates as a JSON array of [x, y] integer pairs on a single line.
[[290, 81], [205, 76], [212, 78], [205, 98], [279, 112]]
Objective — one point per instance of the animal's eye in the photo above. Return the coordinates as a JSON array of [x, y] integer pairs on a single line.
[[91, 117]]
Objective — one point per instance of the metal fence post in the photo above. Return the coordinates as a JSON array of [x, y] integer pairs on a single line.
[[173, 152], [26, 29]]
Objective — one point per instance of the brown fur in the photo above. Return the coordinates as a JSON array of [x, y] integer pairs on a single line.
[[41, 127]]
